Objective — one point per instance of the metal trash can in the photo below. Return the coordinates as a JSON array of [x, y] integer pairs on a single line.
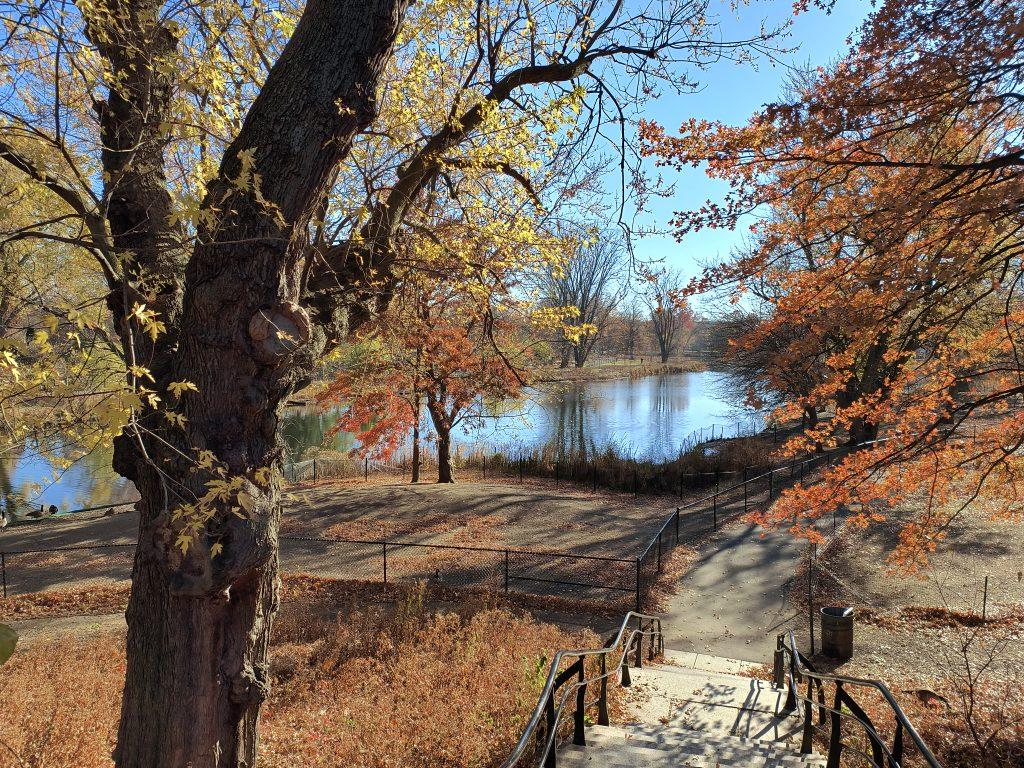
[[837, 632]]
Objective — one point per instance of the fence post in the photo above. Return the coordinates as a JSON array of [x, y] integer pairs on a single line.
[[366, 468], [677, 525], [520, 469], [385, 545], [638, 584], [484, 459], [810, 595], [744, 490], [314, 469], [714, 508], [984, 603], [506, 570], [659, 551]]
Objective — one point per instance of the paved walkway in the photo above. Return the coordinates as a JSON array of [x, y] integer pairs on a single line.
[[733, 600]]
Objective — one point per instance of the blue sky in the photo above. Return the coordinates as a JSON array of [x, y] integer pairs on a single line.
[[731, 93]]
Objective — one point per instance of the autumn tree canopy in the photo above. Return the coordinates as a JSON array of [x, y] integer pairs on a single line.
[[888, 195], [239, 177]]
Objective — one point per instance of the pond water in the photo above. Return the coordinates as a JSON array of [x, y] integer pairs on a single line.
[[653, 417], [28, 480], [650, 418]]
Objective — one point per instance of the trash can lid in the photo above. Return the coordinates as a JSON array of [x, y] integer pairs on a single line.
[[838, 612]]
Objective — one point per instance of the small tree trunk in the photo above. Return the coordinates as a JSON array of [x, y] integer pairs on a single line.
[[416, 442], [444, 461], [664, 355], [566, 353]]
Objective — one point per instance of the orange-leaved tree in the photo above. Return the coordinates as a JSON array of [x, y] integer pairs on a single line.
[[441, 348], [887, 255]]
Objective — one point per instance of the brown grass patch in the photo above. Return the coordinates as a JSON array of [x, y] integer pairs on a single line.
[[84, 601], [393, 684]]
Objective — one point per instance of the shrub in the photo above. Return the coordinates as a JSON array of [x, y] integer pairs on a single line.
[[381, 687]]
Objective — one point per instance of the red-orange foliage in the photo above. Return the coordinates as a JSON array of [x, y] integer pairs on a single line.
[[439, 349], [889, 261]]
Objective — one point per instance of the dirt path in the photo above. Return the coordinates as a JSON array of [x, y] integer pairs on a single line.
[[535, 516]]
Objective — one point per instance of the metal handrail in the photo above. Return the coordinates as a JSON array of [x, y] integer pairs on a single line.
[[556, 679], [799, 669]]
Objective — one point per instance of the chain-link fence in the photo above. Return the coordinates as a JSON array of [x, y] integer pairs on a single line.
[[625, 580]]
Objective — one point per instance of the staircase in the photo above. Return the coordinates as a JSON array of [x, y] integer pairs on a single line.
[[697, 711]]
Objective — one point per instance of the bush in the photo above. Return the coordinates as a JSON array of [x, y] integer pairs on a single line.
[[394, 685]]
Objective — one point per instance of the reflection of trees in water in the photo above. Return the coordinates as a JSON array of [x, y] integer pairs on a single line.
[[306, 428], [31, 476], [7, 497], [670, 398], [571, 435]]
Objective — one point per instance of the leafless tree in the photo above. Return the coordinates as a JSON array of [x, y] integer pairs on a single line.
[[670, 317], [593, 282]]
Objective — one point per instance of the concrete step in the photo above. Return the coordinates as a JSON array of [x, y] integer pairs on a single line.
[[696, 711], [624, 754], [713, 702], [694, 743]]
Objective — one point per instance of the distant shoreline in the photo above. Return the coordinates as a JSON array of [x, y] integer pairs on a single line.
[[627, 369]]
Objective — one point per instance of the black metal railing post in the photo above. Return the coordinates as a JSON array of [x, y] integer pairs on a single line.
[[835, 735], [579, 729], [810, 595], [807, 742], [506, 570], [779, 664], [366, 468], [385, 548], [549, 735], [677, 525], [602, 700], [638, 648]]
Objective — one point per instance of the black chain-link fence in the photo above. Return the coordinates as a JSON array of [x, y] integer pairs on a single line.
[[623, 580]]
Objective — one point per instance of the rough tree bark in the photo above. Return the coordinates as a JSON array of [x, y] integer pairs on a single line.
[[199, 625]]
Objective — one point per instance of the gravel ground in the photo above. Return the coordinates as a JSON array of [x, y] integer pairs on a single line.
[[915, 626]]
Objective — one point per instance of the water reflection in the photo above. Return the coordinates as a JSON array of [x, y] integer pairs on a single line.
[[653, 418], [647, 418], [29, 479]]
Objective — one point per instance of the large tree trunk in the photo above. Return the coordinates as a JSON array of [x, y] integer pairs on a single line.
[[203, 599], [445, 473]]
